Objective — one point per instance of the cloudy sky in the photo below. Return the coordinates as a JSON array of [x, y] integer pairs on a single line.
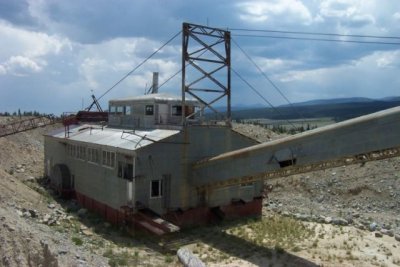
[[54, 53]]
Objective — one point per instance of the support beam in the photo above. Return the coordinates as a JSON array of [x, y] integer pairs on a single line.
[[206, 68]]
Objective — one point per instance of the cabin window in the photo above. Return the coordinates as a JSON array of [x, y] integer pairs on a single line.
[[176, 110], [149, 110], [156, 188], [113, 109], [120, 110], [127, 110], [108, 159]]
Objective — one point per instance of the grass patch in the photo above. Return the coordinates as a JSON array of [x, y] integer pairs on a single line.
[[77, 241], [274, 231], [121, 258]]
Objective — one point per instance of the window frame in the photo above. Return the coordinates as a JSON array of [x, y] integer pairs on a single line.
[[160, 188], [93, 155], [149, 110], [108, 159], [176, 110], [127, 110]]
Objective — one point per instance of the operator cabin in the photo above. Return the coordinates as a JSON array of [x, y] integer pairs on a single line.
[[143, 160]]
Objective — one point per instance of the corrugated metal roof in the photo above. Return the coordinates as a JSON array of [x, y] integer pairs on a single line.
[[118, 138]]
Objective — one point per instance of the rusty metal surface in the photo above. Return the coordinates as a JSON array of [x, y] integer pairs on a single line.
[[25, 125], [291, 170]]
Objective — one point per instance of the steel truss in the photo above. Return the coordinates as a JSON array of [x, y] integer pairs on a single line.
[[205, 57]]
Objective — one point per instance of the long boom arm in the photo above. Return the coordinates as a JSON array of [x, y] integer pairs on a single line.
[[371, 137]]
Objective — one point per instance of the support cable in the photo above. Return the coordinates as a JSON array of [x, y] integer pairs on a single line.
[[140, 64], [267, 78], [319, 33], [260, 95], [315, 39], [179, 71]]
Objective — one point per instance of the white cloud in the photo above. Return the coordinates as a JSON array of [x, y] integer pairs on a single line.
[[3, 70], [396, 16], [387, 59], [103, 64], [275, 64], [19, 65], [353, 13], [23, 52], [337, 8], [16, 41], [260, 11]]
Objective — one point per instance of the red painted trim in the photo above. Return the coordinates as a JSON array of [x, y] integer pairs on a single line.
[[108, 213], [190, 217]]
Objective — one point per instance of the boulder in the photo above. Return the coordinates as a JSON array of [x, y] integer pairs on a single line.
[[373, 226], [82, 212], [328, 219], [340, 221], [387, 232], [397, 237], [378, 234], [188, 259]]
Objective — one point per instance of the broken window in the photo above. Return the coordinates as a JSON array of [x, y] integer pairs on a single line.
[[125, 170], [286, 163], [156, 188], [128, 171], [149, 110]]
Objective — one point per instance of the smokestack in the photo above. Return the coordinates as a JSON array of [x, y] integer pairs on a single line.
[[155, 83]]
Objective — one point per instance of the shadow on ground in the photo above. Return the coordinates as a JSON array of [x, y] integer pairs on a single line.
[[212, 235]]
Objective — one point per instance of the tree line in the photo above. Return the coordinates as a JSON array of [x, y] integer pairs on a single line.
[[23, 113]]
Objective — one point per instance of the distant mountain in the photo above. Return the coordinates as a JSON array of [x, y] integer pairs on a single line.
[[339, 109], [391, 98], [341, 101]]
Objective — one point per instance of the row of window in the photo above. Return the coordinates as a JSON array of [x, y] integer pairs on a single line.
[[148, 110], [91, 154], [121, 110]]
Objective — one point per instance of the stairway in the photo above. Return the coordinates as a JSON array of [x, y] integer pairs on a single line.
[[152, 222]]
